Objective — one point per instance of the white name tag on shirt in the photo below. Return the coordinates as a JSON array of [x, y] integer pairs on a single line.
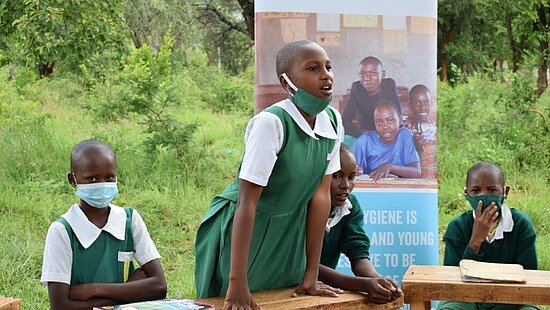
[[329, 156], [125, 256]]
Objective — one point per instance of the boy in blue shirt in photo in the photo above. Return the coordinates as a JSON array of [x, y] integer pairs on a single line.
[[389, 149]]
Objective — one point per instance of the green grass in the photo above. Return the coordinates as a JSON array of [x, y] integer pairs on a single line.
[[40, 123]]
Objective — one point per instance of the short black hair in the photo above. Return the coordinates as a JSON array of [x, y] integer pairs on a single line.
[[488, 167], [345, 148], [287, 55], [387, 103], [371, 58], [89, 147], [418, 87]]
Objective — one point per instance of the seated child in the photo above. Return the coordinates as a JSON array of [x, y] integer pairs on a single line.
[[89, 250], [344, 234], [490, 232], [389, 149], [423, 129]]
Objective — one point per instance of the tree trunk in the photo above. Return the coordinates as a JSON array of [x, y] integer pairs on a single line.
[[441, 55], [543, 25], [248, 14], [136, 40], [46, 69]]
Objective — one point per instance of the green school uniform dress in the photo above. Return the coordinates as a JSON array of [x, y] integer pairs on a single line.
[[277, 256], [104, 261]]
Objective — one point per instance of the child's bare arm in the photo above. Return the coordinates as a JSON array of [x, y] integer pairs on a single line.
[[59, 299], [151, 287], [317, 216], [238, 292], [410, 171], [363, 267]]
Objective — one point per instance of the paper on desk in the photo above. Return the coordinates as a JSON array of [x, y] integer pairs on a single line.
[[172, 304], [474, 271]]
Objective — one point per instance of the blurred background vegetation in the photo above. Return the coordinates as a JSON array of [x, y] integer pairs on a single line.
[[169, 84]]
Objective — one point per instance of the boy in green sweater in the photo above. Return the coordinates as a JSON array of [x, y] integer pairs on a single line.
[[490, 232]]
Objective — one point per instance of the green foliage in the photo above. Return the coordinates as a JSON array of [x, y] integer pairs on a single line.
[[48, 32], [39, 127], [144, 90], [230, 93]]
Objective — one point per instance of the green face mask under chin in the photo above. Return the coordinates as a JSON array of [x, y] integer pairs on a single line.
[[305, 101], [487, 199]]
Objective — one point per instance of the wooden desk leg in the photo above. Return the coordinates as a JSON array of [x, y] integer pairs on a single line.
[[421, 305]]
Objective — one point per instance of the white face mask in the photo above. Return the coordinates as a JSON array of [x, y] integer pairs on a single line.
[[97, 195]]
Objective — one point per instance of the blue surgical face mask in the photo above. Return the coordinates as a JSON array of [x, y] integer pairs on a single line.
[[487, 199], [97, 195], [307, 102]]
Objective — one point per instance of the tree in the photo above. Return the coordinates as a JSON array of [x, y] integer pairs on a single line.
[[47, 32], [229, 27]]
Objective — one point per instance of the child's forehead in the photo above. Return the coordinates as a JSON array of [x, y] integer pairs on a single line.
[[371, 63], [310, 51], [483, 177], [420, 92], [385, 109], [94, 160]]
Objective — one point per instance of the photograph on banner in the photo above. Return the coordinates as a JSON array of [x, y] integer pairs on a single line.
[[376, 60], [383, 58]]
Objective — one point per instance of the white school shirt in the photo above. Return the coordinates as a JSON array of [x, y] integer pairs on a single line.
[[58, 254], [338, 214], [264, 138]]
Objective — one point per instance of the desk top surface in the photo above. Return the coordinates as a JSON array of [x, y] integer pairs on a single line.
[[445, 283], [282, 299], [396, 183]]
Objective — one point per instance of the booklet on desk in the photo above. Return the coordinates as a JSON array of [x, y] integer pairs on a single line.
[[164, 304], [474, 271]]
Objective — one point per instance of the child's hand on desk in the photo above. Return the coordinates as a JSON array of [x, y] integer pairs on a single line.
[[240, 299], [382, 172], [320, 289], [381, 290]]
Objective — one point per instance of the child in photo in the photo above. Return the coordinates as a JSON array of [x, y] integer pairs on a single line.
[[344, 233], [253, 236], [423, 128], [389, 149], [372, 87], [490, 232], [89, 251]]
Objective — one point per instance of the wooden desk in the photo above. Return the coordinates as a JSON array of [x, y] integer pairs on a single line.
[[397, 183], [9, 303], [421, 284], [282, 299]]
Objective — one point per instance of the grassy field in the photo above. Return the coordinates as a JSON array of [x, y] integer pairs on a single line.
[[41, 121]]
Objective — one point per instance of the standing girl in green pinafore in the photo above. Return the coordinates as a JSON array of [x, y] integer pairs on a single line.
[[265, 230]]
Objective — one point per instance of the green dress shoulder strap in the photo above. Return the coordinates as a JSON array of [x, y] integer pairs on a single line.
[[107, 260]]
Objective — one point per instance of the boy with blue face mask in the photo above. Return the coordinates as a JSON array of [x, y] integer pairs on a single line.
[[490, 232], [89, 251]]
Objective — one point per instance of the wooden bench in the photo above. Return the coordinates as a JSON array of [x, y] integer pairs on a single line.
[[7, 303], [282, 299], [421, 284]]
